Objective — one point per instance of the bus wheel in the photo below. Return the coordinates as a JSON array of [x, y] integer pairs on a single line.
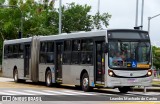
[[85, 82], [124, 89], [48, 78], [15, 75]]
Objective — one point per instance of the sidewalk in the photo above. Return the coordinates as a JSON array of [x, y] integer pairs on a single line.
[[0, 70], [148, 89], [0, 73], [158, 82], [153, 88], [156, 79]]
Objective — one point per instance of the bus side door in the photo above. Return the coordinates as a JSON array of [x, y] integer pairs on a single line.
[[27, 54], [99, 61], [58, 63]]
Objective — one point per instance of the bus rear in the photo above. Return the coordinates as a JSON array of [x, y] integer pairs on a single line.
[[129, 59]]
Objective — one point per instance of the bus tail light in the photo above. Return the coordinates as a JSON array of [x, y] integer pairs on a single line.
[[110, 73], [149, 73]]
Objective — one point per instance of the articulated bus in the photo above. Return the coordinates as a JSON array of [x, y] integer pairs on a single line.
[[116, 58]]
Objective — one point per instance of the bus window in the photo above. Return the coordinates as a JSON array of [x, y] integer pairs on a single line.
[[21, 50], [67, 52], [6, 51], [50, 52], [139, 50], [15, 51], [75, 51], [43, 52], [10, 51], [76, 45], [67, 45], [87, 52]]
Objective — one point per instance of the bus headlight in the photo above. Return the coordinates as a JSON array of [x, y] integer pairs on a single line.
[[110, 73], [149, 73]]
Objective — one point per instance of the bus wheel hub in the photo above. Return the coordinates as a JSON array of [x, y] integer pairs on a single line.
[[16, 76], [85, 82], [49, 79]]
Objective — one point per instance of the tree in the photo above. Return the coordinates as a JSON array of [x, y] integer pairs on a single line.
[[75, 17], [2, 1], [39, 18], [156, 56], [98, 20]]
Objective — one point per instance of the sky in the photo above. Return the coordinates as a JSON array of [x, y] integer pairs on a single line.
[[123, 14]]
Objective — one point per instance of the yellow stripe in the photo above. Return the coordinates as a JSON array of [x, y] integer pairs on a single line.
[[99, 84], [58, 81], [134, 103]]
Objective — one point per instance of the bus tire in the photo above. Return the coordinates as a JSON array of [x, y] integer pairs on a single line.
[[124, 89], [15, 76], [48, 78], [85, 83]]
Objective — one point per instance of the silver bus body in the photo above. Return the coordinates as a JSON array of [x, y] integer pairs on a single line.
[[71, 73]]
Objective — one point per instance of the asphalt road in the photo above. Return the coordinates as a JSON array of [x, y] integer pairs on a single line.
[[29, 91]]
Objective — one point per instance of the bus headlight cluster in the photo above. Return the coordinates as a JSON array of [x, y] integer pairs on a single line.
[[110, 73], [149, 73]]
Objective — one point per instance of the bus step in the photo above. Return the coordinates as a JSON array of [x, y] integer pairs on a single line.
[[26, 78], [99, 82]]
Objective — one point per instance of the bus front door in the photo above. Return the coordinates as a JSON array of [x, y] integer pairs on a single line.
[[58, 65], [27, 49], [99, 62]]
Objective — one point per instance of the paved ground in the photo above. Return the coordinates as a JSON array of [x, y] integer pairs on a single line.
[[81, 102], [66, 93], [31, 91]]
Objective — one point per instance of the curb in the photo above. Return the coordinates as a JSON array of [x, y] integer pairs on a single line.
[[156, 85], [0, 73], [148, 89]]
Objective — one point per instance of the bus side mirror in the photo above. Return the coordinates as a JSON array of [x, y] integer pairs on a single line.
[[106, 48]]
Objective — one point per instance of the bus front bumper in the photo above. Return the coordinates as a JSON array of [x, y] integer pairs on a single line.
[[113, 82]]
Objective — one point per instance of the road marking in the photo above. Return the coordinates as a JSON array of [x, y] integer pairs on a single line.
[[79, 93], [68, 92], [19, 93], [38, 92], [151, 93], [137, 102], [142, 93], [58, 92], [5, 93]]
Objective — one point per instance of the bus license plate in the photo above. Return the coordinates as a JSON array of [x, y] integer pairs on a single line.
[[131, 80]]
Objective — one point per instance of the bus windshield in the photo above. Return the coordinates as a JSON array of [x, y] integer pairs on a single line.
[[124, 54]]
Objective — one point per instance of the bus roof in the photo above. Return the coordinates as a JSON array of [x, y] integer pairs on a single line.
[[70, 35], [14, 41], [136, 30], [74, 35]]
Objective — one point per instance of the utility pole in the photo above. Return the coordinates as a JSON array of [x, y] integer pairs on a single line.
[[98, 6], [136, 21], [60, 16], [142, 14], [149, 19], [98, 12]]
